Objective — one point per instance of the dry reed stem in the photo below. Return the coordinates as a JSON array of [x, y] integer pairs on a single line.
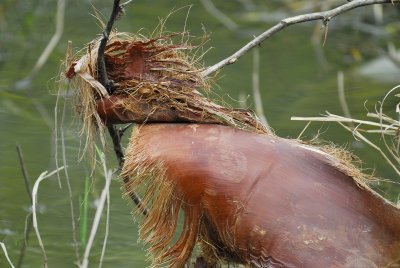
[[357, 134], [256, 88], [386, 126], [103, 250], [342, 96], [96, 220], [35, 189], [6, 254], [337, 118]]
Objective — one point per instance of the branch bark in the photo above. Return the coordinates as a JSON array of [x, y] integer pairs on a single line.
[[116, 138], [101, 65], [325, 16], [103, 77]]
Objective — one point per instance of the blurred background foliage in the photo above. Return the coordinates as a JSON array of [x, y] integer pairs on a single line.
[[298, 77]]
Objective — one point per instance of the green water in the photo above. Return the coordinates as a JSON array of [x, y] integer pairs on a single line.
[[293, 82]]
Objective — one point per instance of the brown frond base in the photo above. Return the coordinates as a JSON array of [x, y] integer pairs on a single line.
[[256, 200], [153, 80]]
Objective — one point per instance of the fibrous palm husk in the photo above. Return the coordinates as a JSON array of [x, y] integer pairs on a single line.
[[154, 80], [257, 200]]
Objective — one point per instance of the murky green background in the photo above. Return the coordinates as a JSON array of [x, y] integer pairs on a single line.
[[293, 82]]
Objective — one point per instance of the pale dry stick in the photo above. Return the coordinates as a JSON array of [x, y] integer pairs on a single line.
[[394, 155], [378, 131], [103, 250], [356, 133], [35, 189], [304, 130], [342, 97], [335, 118], [384, 118], [325, 16], [97, 217], [318, 49], [50, 46], [255, 77], [6, 254], [373, 145], [219, 15]]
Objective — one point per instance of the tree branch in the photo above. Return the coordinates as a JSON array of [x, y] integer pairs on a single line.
[[325, 16], [116, 138], [103, 77], [101, 64]]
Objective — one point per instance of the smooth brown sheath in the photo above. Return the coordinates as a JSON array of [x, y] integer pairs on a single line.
[[262, 200]]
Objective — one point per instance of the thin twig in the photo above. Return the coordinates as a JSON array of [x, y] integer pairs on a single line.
[[101, 67], [304, 130], [255, 78], [28, 222], [325, 16], [122, 130], [101, 64], [24, 172], [115, 136]]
